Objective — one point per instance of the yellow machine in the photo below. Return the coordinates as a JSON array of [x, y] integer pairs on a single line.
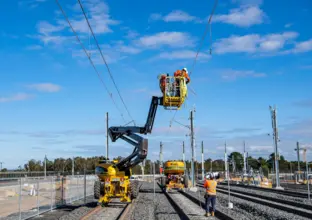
[[114, 176], [113, 183], [175, 177], [175, 92]]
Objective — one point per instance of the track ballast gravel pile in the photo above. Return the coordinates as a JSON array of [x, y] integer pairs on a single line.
[[269, 194], [252, 210], [144, 207]]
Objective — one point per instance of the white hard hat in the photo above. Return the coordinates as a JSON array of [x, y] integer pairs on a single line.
[[185, 69]]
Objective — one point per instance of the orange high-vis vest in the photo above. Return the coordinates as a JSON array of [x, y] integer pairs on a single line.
[[211, 187]]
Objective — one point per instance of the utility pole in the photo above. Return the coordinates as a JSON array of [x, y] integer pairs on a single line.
[[107, 135], [183, 155], [73, 166], [203, 160], [298, 156], [161, 156], [276, 139], [245, 164], [1, 166], [225, 162], [211, 166], [45, 166], [193, 148]]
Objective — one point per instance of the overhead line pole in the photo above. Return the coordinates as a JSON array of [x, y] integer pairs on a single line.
[[202, 160], [107, 140], [193, 148], [276, 139]]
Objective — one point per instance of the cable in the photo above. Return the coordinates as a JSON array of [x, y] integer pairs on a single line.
[[201, 44], [83, 47], [98, 46], [204, 36]]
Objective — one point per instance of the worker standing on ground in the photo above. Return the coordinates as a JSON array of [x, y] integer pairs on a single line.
[[211, 194]]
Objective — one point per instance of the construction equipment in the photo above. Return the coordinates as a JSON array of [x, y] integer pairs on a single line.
[[114, 176], [175, 176]]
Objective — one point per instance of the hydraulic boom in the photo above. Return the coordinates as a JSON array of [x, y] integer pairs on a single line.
[[130, 134]]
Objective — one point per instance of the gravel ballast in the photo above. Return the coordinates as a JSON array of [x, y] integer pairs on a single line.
[[144, 208], [250, 210], [269, 194]]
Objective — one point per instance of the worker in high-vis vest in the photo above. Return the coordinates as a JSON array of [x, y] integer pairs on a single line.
[[211, 194]]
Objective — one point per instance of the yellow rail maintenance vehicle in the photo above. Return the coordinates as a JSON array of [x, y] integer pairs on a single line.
[[114, 176], [113, 183], [175, 178]]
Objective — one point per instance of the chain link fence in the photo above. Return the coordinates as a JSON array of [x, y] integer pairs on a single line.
[[23, 198]]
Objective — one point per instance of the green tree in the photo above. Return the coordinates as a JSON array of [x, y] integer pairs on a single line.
[[238, 158]]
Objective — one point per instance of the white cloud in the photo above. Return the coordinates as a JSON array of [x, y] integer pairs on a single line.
[[178, 15], [174, 16], [171, 39], [268, 148], [182, 54], [304, 46], [98, 16], [244, 16], [46, 28], [236, 44], [288, 25], [17, 97], [45, 87], [230, 74], [254, 43]]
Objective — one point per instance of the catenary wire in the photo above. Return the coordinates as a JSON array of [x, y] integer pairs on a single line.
[[108, 69], [86, 52], [208, 27], [204, 36]]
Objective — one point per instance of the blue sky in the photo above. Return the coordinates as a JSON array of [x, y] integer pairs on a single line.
[[52, 102]]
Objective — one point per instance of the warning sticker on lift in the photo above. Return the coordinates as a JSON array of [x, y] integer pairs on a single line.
[[115, 179]]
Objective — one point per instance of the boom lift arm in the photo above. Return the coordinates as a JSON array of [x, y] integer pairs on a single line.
[[129, 134]]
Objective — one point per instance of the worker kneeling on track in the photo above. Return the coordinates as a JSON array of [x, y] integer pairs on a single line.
[[211, 194]]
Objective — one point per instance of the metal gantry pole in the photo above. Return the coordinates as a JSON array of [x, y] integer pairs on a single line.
[[202, 158], [193, 149], [298, 157], [107, 140], [73, 166], [161, 156], [225, 163], [245, 164], [45, 166], [275, 138], [154, 181], [183, 155]]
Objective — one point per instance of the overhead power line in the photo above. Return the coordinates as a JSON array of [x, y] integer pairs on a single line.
[[99, 48], [208, 27], [86, 52]]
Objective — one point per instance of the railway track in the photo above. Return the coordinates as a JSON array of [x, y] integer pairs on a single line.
[[189, 207], [296, 208], [114, 211], [287, 192]]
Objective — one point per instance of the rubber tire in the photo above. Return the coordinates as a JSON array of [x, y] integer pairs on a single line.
[[134, 189], [97, 189], [186, 181], [163, 181]]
